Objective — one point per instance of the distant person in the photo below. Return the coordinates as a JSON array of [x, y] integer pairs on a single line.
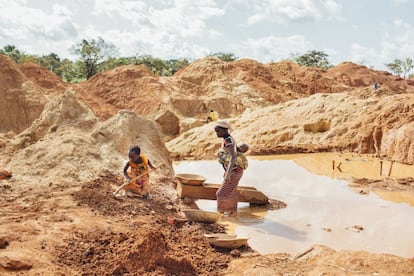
[[212, 116], [375, 85], [227, 196], [137, 165]]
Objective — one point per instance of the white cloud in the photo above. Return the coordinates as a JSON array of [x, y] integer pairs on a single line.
[[400, 1], [282, 11], [133, 11], [400, 44], [365, 56], [159, 31], [146, 42], [186, 18], [401, 24], [273, 48], [20, 22]]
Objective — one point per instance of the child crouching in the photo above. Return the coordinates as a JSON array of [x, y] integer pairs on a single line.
[[138, 168]]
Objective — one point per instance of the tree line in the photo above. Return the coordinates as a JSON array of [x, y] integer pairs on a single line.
[[97, 55]]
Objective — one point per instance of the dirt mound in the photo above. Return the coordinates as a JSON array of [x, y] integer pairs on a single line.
[[209, 84], [143, 251], [321, 122], [43, 78], [22, 100], [150, 247], [98, 195], [230, 88], [67, 142], [259, 78], [10, 74], [357, 76], [131, 87], [200, 74]]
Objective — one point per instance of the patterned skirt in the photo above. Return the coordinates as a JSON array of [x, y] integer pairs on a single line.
[[227, 197], [141, 186]]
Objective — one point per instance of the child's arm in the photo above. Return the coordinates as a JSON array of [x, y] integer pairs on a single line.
[[126, 171]]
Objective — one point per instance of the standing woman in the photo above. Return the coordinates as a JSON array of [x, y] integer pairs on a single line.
[[227, 196]]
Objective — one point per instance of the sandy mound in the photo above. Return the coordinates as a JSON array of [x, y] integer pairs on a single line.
[[131, 87], [67, 142], [321, 122], [357, 76], [10, 74], [230, 88], [22, 101], [43, 78]]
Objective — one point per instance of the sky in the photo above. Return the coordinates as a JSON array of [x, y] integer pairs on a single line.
[[367, 32]]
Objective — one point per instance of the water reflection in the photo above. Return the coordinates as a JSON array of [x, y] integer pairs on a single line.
[[320, 209], [346, 165]]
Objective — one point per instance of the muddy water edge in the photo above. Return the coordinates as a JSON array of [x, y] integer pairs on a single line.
[[322, 206]]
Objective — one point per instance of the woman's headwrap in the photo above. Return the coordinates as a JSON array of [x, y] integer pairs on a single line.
[[223, 124]]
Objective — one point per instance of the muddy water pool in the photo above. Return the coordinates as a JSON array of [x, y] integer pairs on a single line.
[[321, 207]]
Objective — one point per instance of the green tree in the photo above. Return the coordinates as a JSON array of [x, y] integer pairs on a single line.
[[395, 66], [113, 62], [52, 63], [401, 67], [92, 54], [12, 52], [176, 64], [224, 56], [70, 70], [29, 58], [157, 65], [407, 66], [314, 58]]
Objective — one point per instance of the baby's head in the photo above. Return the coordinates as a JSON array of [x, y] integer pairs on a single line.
[[243, 148]]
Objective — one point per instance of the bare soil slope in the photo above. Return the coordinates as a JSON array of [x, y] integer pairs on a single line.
[[67, 144], [22, 100]]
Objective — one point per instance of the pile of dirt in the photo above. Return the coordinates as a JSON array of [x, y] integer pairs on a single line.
[[98, 195], [148, 250], [322, 122], [150, 245], [230, 88], [44, 78], [131, 87], [22, 101], [68, 143], [358, 76], [10, 74]]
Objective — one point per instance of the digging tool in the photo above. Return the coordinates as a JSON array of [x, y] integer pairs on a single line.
[[133, 179]]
